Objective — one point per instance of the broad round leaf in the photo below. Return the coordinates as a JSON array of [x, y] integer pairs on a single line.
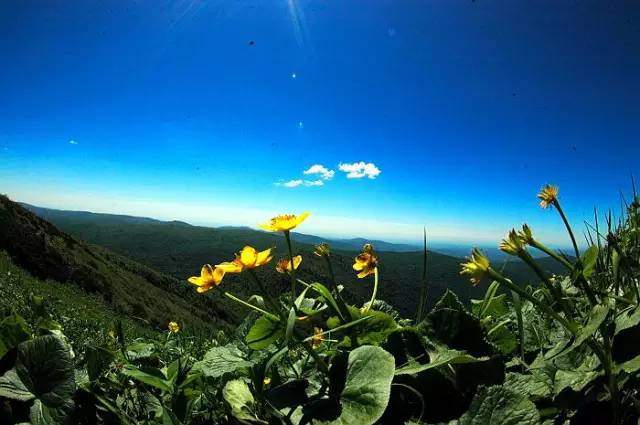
[[263, 333], [44, 366], [221, 360], [499, 406], [368, 386]]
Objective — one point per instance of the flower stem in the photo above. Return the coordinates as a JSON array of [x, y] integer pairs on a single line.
[[375, 290], [249, 305], [585, 285], [571, 327], [266, 294], [568, 226], [551, 254], [287, 236], [344, 311], [555, 291]]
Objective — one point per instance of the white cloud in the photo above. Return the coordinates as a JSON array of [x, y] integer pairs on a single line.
[[309, 183], [323, 171], [299, 182], [358, 170], [290, 183], [73, 142]]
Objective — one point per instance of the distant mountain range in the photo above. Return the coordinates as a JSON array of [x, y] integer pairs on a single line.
[[79, 217], [179, 249]]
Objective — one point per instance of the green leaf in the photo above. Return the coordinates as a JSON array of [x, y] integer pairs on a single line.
[[498, 405], [98, 359], [449, 300], [40, 414], [439, 357], [597, 316], [149, 376], [44, 366], [263, 333], [630, 366], [372, 327], [12, 387], [326, 294], [13, 330], [367, 387], [458, 329], [574, 379], [589, 259], [219, 361], [577, 376], [291, 323], [627, 319], [238, 395], [140, 350], [169, 418], [536, 385]]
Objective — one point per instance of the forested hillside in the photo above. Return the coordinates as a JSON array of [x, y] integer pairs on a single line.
[[179, 249]]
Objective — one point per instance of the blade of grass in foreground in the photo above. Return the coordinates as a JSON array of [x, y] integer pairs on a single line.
[[422, 302]]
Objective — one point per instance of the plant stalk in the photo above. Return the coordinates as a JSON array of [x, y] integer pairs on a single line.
[[266, 294], [375, 290], [249, 305], [568, 226], [287, 236]]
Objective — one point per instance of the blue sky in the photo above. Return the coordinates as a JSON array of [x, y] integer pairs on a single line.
[[202, 110]]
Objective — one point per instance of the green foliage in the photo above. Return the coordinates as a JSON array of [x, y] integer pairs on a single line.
[[564, 351], [367, 386], [263, 333], [219, 361], [239, 397], [500, 406]]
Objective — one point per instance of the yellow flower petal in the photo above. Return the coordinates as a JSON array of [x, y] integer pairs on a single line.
[[248, 256], [230, 266], [209, 277], [366, 263], [364, 273], [196, 280], [548, 195], [284, 265], [284, 222], [263, 257], [317, 338], [302, 217]]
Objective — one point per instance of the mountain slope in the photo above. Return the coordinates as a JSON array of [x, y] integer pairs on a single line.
[[179, 249], [131, 288]]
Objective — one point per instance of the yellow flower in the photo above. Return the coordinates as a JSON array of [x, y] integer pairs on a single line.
[[284, 265], [548, 195], [266, 381], [512, 244], [174, 328], [477, 267], [322, 250], [317, 338], [526, 234], [209, 277], [284, 222], [366, 263], [248, 258]]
